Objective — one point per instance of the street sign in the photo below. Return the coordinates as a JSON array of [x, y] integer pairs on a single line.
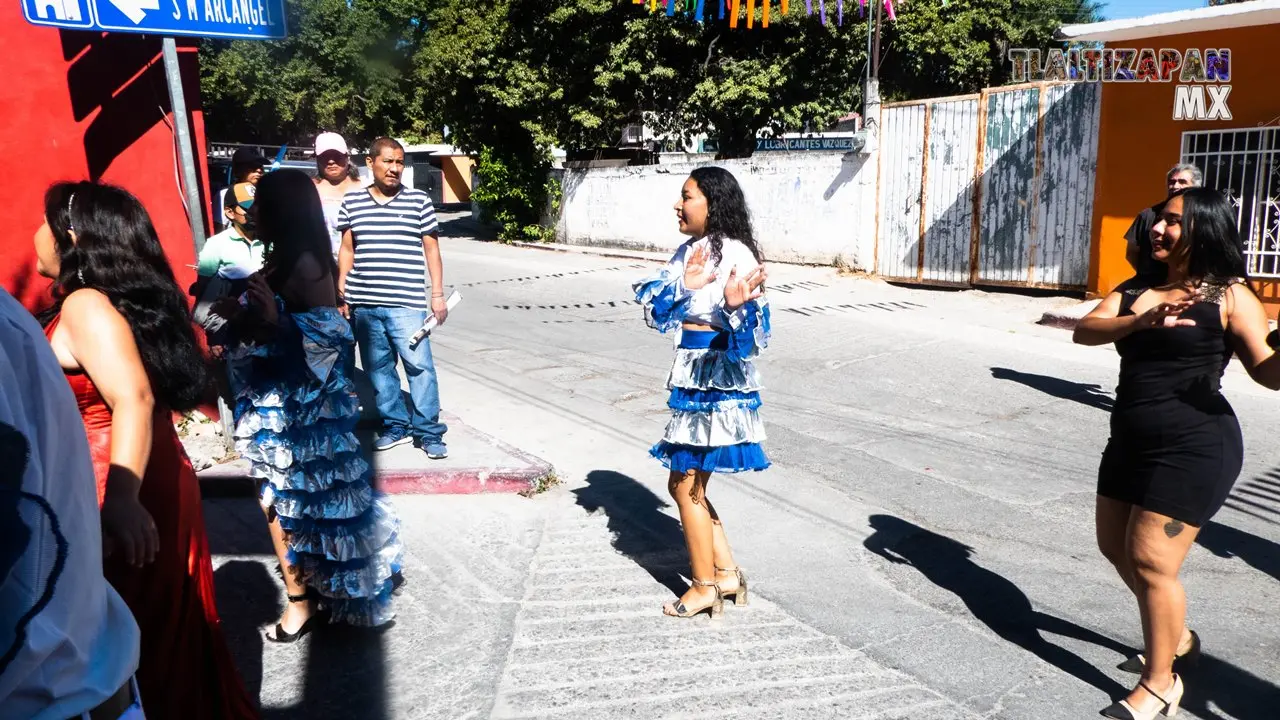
[[232, 19]]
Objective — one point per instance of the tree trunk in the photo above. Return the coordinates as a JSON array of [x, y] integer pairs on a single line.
[[736, 141]]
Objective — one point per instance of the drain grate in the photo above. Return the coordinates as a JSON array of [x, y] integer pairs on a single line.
[[860, 307], [553, 276]]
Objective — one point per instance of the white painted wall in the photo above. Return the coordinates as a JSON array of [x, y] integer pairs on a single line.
[[806, 207]]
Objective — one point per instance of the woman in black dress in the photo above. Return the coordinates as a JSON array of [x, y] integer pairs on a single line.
[[1175, 447]]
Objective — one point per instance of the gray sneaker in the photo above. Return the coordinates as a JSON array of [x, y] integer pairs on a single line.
[[436, 450]]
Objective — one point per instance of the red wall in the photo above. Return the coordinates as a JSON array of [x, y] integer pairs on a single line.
[[77, 105]]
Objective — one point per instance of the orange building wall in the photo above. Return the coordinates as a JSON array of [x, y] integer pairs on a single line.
[[1140, 140], [79, 105], [457, 179]]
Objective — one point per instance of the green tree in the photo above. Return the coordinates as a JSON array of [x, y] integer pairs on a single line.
[[346, 66]]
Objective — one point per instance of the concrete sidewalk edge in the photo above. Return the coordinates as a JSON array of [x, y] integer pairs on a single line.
[[527, 474]]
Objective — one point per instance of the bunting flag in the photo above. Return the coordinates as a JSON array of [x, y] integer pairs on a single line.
[[733, 8]]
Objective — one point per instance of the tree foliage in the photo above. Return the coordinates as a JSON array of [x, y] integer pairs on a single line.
[[513, 78], [345, 67]]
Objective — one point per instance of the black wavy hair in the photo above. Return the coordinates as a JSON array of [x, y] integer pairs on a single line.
[[118, 253], [1209, 225], [727, 213], [290, 223]]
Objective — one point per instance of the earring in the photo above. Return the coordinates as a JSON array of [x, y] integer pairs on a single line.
[[80, 276]]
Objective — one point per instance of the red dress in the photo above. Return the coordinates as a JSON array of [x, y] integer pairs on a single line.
[[185, 671]]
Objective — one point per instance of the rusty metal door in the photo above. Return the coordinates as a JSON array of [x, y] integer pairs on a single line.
[[1039, 160], [901, 165], [949, 178]]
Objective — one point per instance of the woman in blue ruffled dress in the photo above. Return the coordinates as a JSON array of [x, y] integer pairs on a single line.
[[296, 408], [711, 294]]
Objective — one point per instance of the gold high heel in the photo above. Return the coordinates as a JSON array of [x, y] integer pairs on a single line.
[[1168, 703], [680, 610], [739, 595]]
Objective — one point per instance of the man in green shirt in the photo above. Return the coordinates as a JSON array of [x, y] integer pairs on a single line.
[[233, 253]]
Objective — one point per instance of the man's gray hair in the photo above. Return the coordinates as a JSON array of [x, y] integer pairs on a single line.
[[1197, 177]]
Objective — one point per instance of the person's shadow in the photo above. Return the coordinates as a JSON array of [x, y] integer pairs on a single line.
[[1087, 394], [641, 530], [990, 597], [1228, 542]]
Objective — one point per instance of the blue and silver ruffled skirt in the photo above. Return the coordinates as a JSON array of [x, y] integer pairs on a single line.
[[295, 411], [715, 424]]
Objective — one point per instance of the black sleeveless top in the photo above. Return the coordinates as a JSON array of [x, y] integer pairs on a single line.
[[1183, 364]]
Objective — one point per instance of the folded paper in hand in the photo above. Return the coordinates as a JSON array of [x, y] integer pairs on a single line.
[[454, 299]]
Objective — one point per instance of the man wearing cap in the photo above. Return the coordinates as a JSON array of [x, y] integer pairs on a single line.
[[333, 180], [234, 252], [247, 165]]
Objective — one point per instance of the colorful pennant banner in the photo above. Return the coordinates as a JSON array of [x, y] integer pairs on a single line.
[[734, 9]]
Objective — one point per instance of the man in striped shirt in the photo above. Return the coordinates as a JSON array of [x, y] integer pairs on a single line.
[[390, 243]]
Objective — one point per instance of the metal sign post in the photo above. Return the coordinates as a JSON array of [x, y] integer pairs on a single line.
[[186, 156], [234, 19]]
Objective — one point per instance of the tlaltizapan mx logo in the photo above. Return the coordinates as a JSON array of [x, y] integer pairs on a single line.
[[1203, 76]]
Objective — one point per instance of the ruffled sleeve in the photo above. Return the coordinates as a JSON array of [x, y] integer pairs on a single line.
[[664, 297], [749, 329]]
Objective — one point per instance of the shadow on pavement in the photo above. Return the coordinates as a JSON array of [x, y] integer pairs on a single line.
[[1091, 395], [641, 530], [344, 670], [1228, 542], [990, 597], [1258, 497]]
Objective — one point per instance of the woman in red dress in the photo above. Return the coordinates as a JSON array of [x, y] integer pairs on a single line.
[[120, 329]]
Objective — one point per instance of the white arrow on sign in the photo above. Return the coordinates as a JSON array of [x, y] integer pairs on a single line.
[[134, 9]]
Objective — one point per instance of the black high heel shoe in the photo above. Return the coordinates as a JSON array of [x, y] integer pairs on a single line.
[[1168, 706], [283, 637], [1190, 658]]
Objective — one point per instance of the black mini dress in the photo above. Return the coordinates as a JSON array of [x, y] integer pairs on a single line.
[[1175, 445]]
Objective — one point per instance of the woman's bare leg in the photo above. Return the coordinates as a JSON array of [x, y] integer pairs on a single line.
[[689, 492], [1111, 522], [1158, 545], [722, 555], [295, 614]]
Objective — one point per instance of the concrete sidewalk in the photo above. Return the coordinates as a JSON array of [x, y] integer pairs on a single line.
[[477, 463]]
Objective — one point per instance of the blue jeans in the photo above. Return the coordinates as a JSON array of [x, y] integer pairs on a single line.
[[383, 333]]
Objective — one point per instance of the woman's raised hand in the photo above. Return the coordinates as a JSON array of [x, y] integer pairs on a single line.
[[698, 270], [1167, 314], [738, 291]]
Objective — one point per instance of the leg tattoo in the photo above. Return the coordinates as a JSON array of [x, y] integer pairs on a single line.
[[1173, 528]]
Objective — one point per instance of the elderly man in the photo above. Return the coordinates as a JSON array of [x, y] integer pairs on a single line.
[[1138, 236]]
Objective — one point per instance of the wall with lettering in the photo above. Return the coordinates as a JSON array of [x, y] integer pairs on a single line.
[[1140, 139], [808, 207], [83, 105]]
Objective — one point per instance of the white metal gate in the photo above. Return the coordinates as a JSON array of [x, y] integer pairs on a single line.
[[1245, 164], [990, 189]]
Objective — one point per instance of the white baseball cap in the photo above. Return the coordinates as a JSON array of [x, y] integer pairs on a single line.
[[330, 141]]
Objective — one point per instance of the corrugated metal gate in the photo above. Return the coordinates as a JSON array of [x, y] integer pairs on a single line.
[[989, 189]]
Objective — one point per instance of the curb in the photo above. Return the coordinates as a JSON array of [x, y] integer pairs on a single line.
[[616, 253], [232, 479]]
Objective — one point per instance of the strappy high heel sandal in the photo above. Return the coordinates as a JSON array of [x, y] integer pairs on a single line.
[[283, 637], [1168, 705], [1190, 658], [680, 610], [740, 593]]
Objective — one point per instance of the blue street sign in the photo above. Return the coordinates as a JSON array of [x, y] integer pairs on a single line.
[[233, 19]]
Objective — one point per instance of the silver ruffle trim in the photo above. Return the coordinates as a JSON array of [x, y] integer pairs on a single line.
[[701, 369], [729, 426]]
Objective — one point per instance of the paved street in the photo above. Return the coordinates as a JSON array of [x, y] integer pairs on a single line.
[[922, 548]]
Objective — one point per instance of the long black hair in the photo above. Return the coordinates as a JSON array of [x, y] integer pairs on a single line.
[[290, 223], [727, 213], [1209, 227], [118, 253]]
